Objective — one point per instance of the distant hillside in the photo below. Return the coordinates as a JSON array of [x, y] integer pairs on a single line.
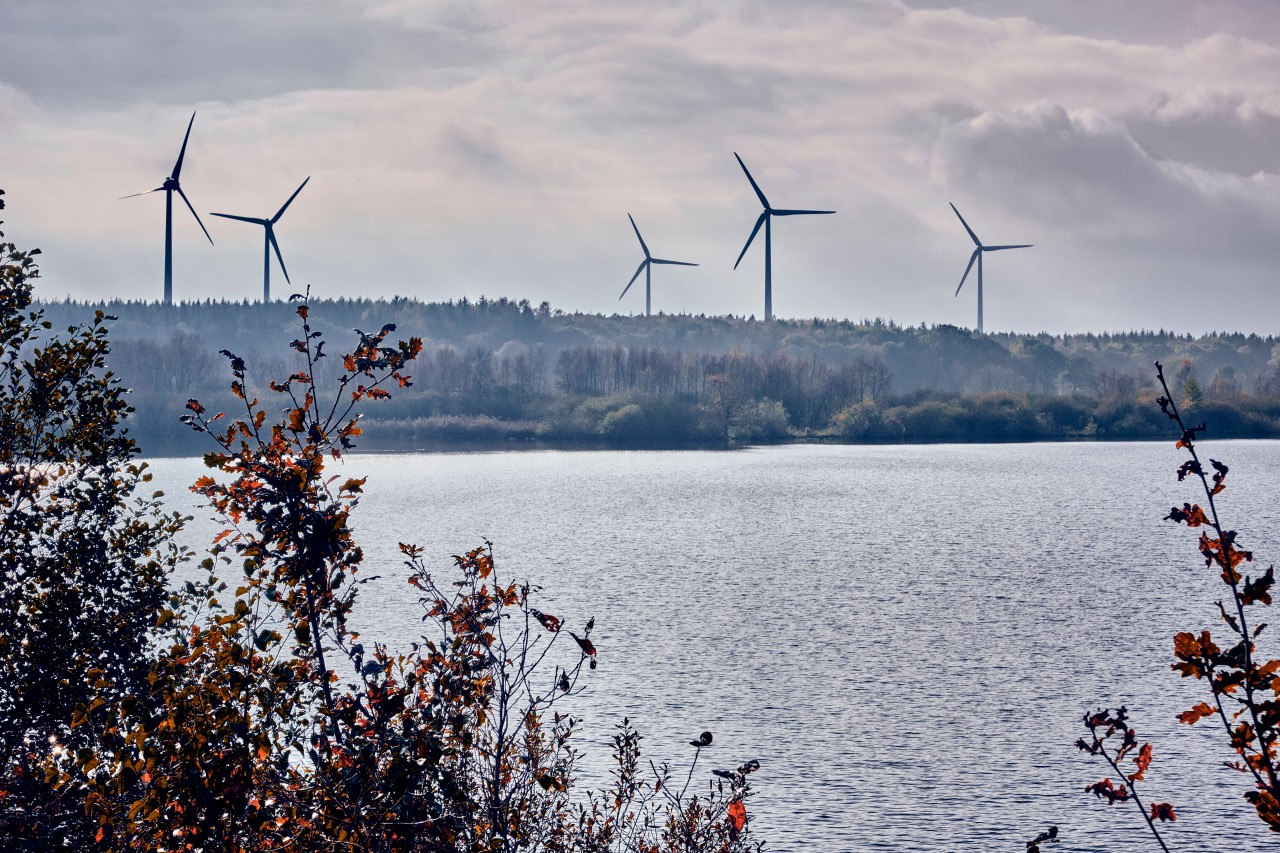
[[498, 369]]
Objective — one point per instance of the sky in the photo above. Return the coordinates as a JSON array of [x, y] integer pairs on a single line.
[[495, 148]]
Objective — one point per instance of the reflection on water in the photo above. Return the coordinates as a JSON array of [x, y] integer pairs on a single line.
[[905, 637]]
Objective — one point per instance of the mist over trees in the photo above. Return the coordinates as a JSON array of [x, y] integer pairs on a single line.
[[502, 370]]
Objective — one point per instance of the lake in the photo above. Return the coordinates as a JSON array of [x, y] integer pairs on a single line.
[[904, 637]]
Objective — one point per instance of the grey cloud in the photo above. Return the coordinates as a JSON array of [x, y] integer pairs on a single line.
[[1086, 173], [1141, 21], [478, 150], [1225, 139], [674, 89], [932, 121], [83, 52]]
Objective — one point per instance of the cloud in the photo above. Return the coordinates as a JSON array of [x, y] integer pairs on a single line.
[[1160, 230], [1083, 172], [496, 148]]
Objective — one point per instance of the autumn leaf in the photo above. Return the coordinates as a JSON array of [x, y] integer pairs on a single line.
[[588, 647], [737, 818], [1163, 812], [1190, 514], [1219, 477], [551, 623], [1197, 713], [1105, 790], [1189, 467], [1142, 761], [1259, 590], [550, 783]]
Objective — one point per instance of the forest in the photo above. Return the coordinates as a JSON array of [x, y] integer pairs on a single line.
[[498, 372]]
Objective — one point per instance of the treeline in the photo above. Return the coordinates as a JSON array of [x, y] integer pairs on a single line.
[[499, 370]]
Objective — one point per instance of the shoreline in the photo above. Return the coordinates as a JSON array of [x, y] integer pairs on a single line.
[[382, 448]]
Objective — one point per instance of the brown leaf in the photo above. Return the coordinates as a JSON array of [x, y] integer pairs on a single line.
[[1194, 715]]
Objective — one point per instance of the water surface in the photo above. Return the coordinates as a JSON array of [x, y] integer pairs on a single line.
[[905, 637]]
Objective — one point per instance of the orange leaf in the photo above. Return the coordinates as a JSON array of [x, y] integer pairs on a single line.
[[1142, 761], [737, 817], [1199, 712]]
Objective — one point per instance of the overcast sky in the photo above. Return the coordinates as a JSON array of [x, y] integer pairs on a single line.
[[494, 147]]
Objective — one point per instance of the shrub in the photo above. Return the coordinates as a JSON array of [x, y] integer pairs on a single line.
[[256, 717], [84, 557]]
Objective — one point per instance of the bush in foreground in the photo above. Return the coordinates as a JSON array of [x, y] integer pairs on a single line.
[[249, 714]]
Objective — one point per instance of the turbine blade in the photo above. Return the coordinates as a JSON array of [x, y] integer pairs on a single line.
[[135, 195], [754, 231], [976, 241], [799, 212], [639, 270], [764, 201], [193, 213], [638, 237], [673, 263], [972, 258], [241, 218], [280, 212], [271, 237], [998, 248], [177, 167]]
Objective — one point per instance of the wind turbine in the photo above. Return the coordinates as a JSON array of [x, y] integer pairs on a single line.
[[765, 219], [646, 267], [977, 256], [169, 186], [269, 242]]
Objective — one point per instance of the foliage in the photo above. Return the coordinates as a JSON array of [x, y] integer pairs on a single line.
[[1245, 690], [84, 560], [260, 719], [1110, 724]]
